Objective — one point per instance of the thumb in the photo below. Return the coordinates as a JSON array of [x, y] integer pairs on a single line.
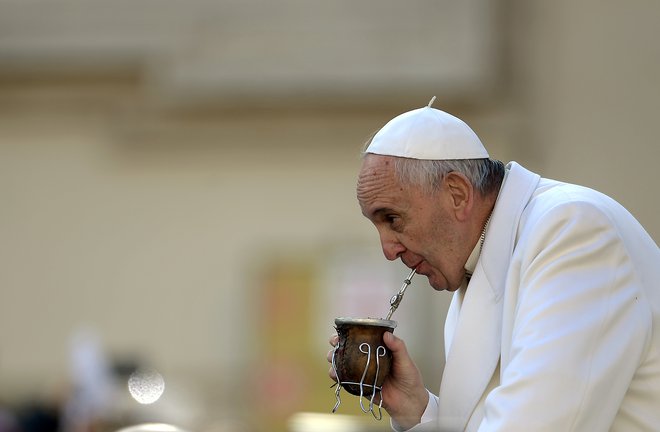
[[392, 342], [398, 348]]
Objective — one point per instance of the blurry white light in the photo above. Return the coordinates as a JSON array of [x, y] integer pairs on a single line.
[[152, 427], [146, 386], [321, 422]]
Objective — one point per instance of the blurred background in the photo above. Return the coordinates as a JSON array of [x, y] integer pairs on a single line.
[[179, 228]]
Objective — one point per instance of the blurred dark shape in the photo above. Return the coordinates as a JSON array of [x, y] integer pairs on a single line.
[[38, 417], [122, 368], [8, 421]]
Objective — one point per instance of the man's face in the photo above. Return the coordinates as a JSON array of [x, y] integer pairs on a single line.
[[417, 227]]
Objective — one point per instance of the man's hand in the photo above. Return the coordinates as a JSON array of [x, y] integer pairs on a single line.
[[403, 392], [404, 395], [334, 339]]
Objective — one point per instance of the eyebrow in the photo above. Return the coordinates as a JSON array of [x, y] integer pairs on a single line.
[[380, 212]]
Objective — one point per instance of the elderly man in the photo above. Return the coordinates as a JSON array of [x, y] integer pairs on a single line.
[[554, 323]]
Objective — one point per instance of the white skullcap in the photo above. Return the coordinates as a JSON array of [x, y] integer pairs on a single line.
[[427, 133]]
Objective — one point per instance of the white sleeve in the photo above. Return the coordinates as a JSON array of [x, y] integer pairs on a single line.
[[430, 414], [579, 330]]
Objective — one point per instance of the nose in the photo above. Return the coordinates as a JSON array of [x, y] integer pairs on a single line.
[[391, 246]]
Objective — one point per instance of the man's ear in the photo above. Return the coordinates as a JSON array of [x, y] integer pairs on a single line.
[[461, 194]]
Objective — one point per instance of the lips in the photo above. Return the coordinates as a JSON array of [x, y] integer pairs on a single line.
[[416, 266]]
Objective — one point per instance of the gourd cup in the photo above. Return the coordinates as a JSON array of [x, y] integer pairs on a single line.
[[360, 359]]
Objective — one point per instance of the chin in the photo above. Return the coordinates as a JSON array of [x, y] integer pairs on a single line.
[[436, 286], [444, 286]]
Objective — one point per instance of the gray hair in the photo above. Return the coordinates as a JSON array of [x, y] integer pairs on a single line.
[[486, 175]]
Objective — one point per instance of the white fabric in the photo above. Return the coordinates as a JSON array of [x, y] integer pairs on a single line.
[[559, 329], [428, 416], [427, 133]]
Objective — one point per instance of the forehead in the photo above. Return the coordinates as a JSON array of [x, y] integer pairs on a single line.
[[377, 185]]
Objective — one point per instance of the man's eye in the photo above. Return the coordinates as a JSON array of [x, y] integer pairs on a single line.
[[393, 220]]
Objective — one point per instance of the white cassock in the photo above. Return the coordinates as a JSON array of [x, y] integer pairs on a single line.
[[559, 329]]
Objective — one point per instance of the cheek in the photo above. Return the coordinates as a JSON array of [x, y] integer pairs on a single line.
[[436, 252], [427, 239], [413, 241]]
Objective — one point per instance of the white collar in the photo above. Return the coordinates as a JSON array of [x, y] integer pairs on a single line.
[[471, 263]]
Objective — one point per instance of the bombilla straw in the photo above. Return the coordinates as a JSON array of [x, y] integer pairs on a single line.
[[396, 298]]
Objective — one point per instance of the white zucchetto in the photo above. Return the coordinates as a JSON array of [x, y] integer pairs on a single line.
[[427, 133]]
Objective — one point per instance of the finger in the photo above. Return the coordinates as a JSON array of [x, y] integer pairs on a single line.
[[332, 374], [333, 340], [331, 353]]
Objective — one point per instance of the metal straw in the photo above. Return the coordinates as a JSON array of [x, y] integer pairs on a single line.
[[396, 298]]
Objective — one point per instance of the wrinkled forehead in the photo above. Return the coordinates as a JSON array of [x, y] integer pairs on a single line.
[[377, 181], [375, 167], [375, 160]]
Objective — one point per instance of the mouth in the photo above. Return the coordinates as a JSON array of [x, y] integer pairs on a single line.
[[416, 266]]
